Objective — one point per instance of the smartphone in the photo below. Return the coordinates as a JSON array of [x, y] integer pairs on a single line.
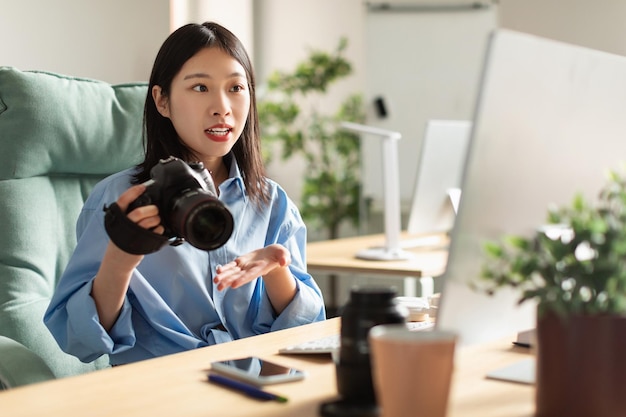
[[257, 371]]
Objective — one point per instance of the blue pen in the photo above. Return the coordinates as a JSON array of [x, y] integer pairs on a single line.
[[247, 389]]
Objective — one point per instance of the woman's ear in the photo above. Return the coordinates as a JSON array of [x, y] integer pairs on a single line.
[[160, 101]]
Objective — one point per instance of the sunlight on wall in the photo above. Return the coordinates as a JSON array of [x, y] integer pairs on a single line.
[[236, 15]]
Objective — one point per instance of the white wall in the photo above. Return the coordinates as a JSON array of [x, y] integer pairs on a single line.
[[285, 29], [112, 40], [236, 15], [598, 24], [116, 40]]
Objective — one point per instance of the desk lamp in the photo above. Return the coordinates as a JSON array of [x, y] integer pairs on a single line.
[[391, 193]]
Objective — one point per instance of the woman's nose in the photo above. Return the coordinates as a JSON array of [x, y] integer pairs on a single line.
[[220, 105]]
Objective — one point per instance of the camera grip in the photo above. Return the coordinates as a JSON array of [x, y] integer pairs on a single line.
[[128, 235]]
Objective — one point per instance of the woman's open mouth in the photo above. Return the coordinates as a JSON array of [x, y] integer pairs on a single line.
[[221, 134]]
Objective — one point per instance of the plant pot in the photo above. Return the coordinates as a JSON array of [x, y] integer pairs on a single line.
[[581, 366]]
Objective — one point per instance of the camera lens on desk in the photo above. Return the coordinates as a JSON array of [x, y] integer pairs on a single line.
[[367, 307]]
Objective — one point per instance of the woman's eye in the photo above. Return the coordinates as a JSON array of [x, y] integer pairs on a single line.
[[238, 88], [200, 88]]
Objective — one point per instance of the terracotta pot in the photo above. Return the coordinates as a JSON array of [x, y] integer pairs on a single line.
[[581, 366]]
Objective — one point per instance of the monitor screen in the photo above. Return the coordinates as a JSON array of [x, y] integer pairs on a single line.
[[549, 122], [439, 173]]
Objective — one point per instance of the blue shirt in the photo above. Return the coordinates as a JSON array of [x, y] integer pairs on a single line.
[[172, 304]]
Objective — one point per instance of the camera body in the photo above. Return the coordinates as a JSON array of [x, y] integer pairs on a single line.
[[188, 205]]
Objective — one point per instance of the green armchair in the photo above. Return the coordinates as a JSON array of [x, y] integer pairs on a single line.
[[59, 135]]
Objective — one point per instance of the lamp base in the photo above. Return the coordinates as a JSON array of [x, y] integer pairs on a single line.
[[384, 254]]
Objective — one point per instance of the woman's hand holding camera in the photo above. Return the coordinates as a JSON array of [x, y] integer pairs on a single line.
[[113, 277], [145, 216]]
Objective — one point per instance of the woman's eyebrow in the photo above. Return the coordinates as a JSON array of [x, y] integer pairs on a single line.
[[196, 75], [235, 74]]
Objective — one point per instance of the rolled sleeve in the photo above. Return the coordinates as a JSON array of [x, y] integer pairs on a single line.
[[303, 309], [87, 339]]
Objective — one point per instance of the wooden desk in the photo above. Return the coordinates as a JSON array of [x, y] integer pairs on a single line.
[[176, 385], [338, 256]]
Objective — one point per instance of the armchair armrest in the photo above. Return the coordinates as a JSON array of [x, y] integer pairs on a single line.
[[20, 366]]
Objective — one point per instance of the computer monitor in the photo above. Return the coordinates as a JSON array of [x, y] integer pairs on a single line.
[[549, 122], [438, 181]]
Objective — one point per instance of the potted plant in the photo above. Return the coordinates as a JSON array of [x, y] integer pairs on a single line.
[[574, 267], [290, 116]]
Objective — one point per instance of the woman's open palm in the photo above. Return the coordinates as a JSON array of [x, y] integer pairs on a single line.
[[252, 265]]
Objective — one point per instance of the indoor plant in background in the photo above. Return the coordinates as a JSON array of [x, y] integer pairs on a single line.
[[575, 269], [291, 116]]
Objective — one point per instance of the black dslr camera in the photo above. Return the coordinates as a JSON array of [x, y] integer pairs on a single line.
[[188, 204]]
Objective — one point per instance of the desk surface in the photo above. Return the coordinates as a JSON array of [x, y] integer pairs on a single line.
[[338, 255], [176, 385]]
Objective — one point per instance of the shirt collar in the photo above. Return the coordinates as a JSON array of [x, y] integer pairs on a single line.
[[234, 175]]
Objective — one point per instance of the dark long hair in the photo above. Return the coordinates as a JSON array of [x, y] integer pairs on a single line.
[[160, 137]]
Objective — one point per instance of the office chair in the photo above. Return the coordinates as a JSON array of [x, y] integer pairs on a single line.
[[59, 135]]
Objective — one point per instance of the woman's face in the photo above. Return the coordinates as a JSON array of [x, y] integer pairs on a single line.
[[208, 103]]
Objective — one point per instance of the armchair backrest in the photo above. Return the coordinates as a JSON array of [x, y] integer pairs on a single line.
[[59, 135]]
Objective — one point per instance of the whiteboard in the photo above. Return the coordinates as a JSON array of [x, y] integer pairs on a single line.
[[425, 64]]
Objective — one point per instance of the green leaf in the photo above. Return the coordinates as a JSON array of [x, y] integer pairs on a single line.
[[584, 273]]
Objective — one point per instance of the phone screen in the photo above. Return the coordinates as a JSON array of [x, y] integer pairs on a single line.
[[257, 370]]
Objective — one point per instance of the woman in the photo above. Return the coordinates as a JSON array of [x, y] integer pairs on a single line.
[[200, 107]]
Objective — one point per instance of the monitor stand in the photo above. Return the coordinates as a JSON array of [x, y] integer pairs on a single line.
[[521, 372], [454, 194]]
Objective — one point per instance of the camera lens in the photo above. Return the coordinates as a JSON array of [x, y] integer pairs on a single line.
[[208, 226], [367, 307], [201, 219]]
